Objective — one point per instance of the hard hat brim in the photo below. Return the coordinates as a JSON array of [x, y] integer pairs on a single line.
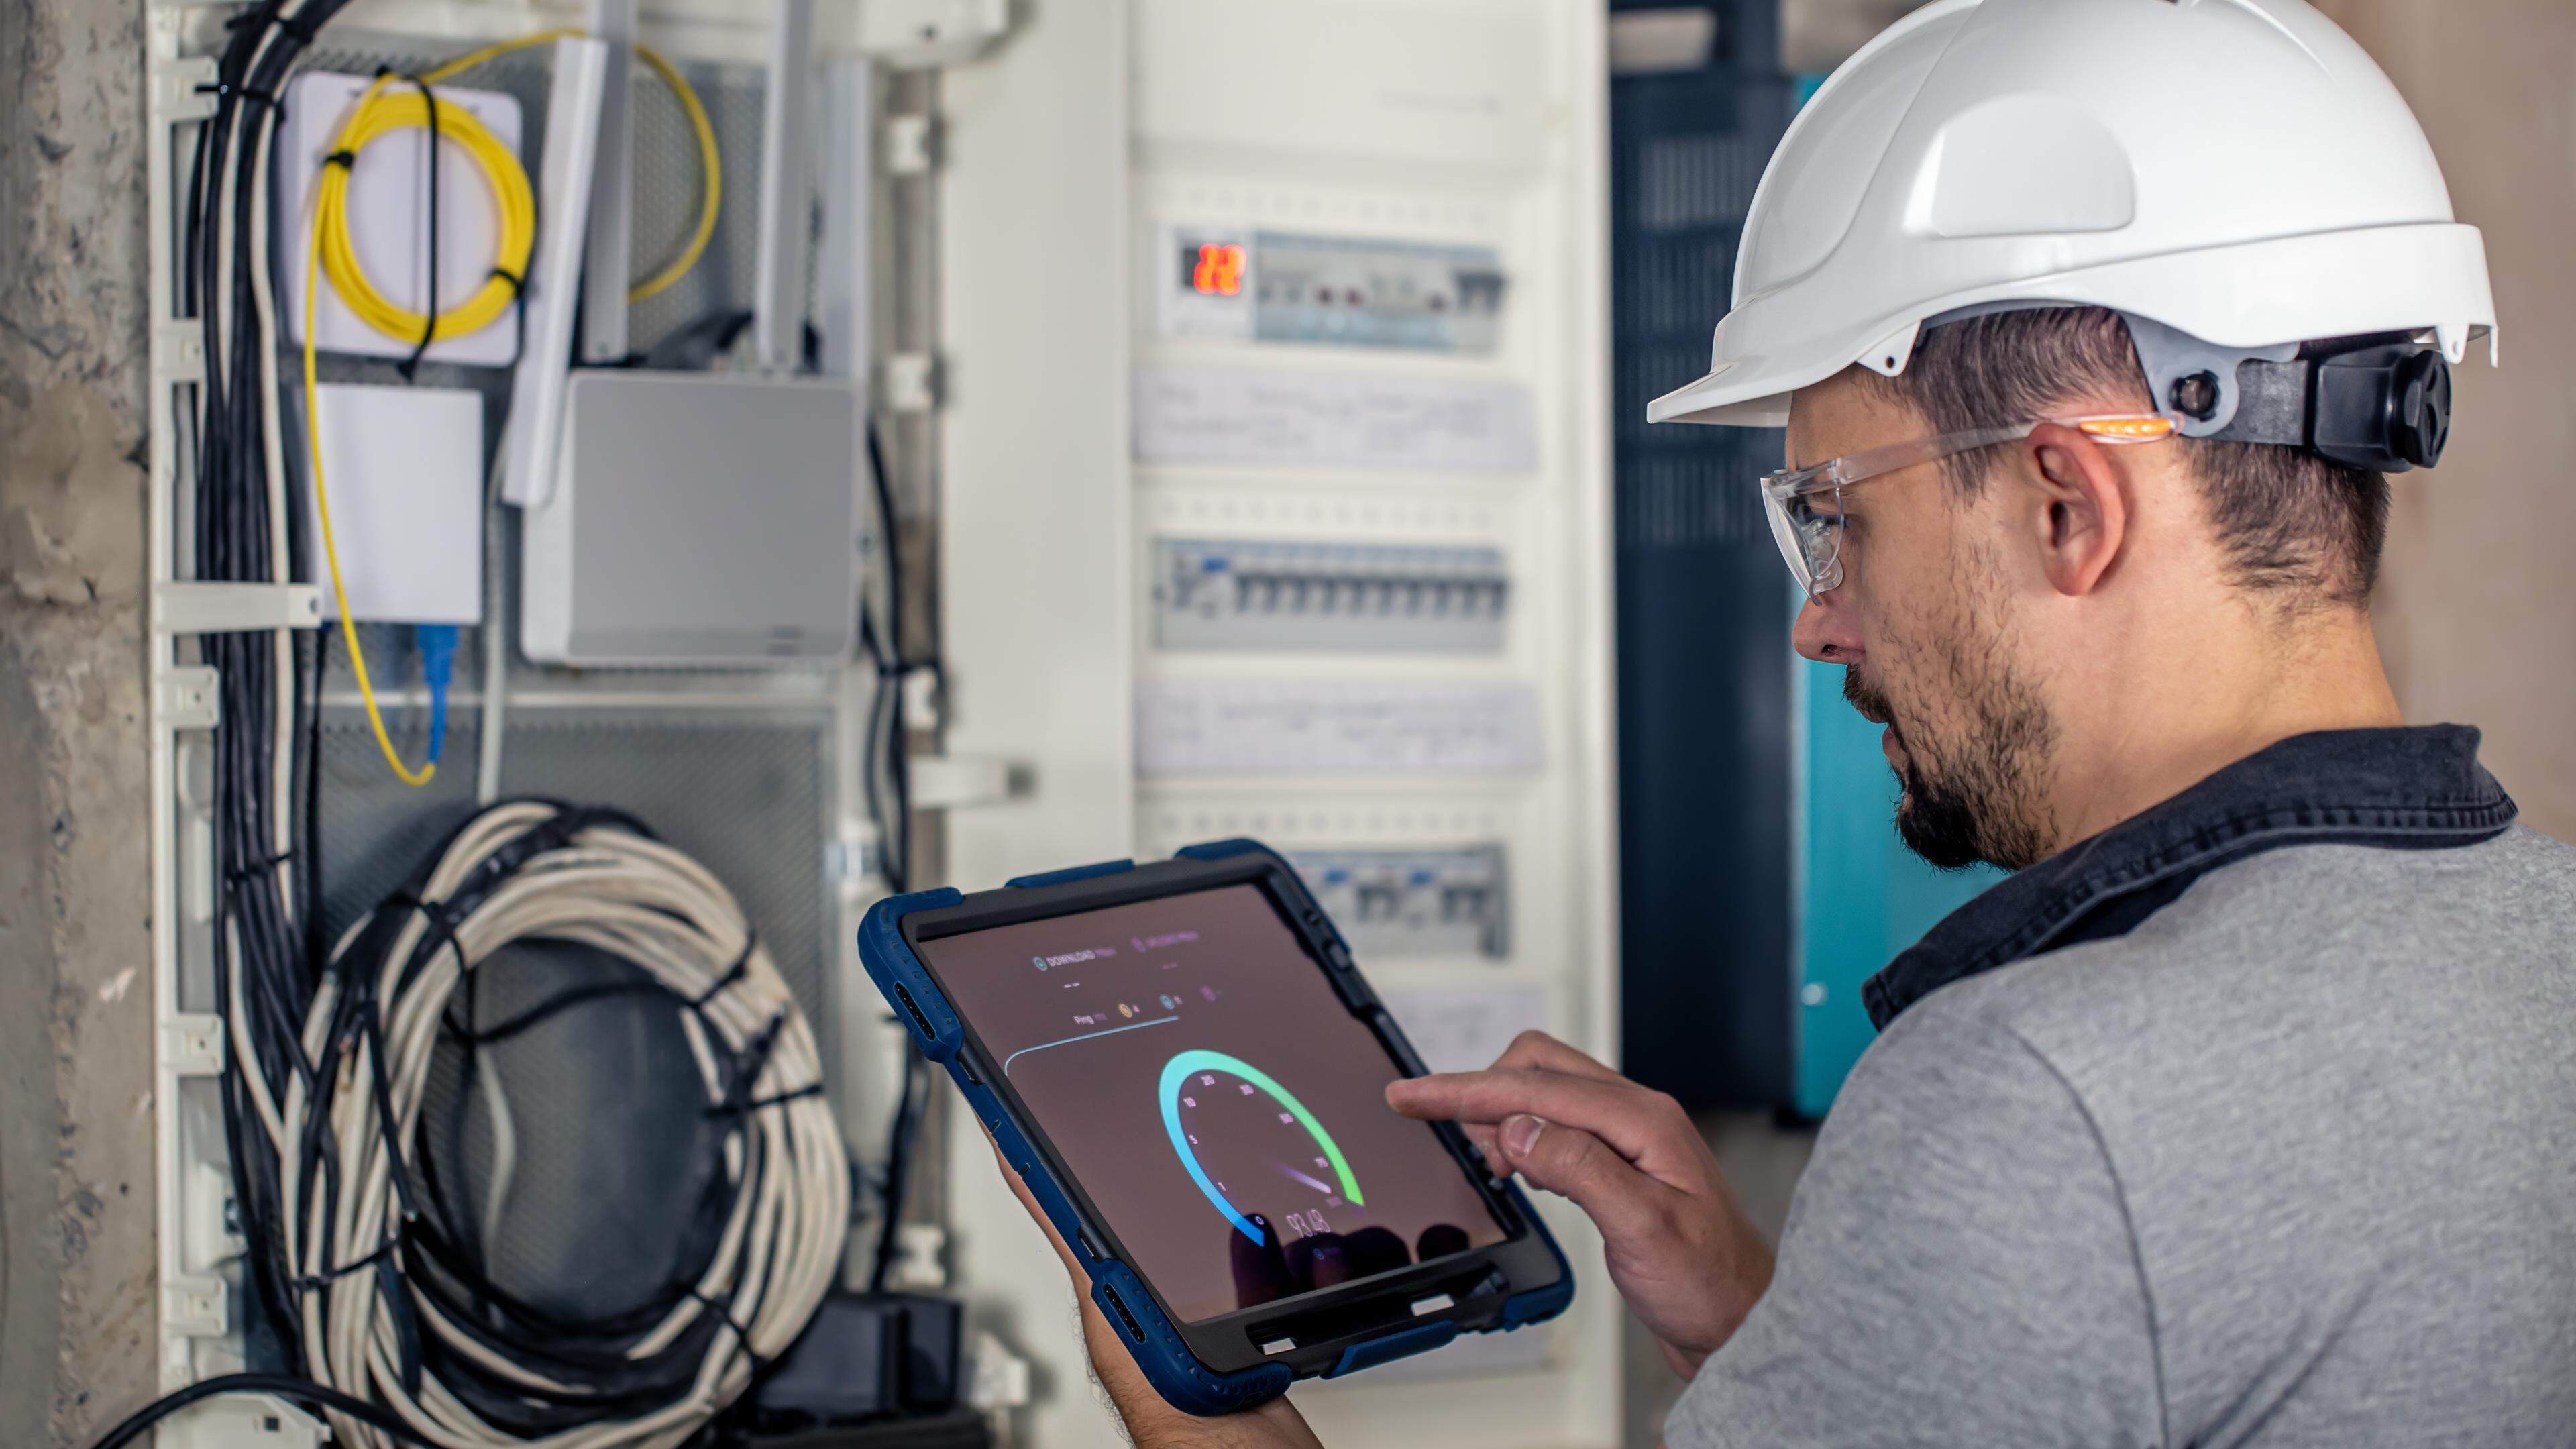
[[2426, 276]]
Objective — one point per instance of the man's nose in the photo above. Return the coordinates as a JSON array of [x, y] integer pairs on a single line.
[[1825, 631]]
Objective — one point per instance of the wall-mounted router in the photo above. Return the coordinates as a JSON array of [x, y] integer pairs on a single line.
[[698, 519], [685, 518]]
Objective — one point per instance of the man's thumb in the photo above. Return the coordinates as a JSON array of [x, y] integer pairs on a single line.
[[1574, 1164]]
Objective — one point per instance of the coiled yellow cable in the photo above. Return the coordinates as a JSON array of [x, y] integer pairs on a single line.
[[377, 113]]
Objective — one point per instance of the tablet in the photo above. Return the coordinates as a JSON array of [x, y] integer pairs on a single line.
[[1186, 1067]]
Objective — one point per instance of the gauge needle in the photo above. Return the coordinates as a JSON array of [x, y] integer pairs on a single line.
[[1317, 1184]]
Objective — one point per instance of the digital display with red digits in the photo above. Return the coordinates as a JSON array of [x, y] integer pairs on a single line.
[[1215, 269]]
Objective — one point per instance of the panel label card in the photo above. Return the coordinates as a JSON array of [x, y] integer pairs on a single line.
[[1263, 728], [1332, 420]]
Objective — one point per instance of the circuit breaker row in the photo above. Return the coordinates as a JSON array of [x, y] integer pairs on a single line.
[[1396, 903], [1259, 595]]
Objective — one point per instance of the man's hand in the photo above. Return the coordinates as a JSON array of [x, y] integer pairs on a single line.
[[1151, 1422], [1680, 1249]]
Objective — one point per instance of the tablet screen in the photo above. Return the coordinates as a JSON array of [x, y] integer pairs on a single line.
[[1195, 1070]]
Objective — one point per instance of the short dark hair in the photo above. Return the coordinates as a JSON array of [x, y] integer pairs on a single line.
[[2287, 519]]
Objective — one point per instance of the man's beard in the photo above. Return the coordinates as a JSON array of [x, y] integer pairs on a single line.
[[1986, 804]]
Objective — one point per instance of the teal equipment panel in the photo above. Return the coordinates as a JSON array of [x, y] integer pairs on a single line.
[[1862, 896]]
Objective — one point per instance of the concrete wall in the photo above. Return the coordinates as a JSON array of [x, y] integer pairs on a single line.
[[2477, 615], [76, 1229]]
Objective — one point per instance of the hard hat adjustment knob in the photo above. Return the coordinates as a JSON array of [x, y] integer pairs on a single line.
[[2196, 394], [2380, 405], [2419, 421]]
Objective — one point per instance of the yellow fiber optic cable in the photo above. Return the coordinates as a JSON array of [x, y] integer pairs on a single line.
[[322, 494], [378, 113], [711, 194]]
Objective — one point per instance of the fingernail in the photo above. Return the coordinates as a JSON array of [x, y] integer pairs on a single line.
[[1520, 1134]]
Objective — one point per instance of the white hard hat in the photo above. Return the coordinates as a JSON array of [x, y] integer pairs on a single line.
[[2235, 170]]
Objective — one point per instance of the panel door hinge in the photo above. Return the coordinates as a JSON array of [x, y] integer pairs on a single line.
[[912, 382], [951, 782], [194, 1306], [192, 1043], [192, 698], [911, 145]]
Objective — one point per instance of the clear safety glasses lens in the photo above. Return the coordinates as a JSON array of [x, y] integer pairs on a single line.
[[1809, 529], [1806, 504]]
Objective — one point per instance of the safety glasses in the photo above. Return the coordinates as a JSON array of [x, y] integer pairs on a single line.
[[1805, 505]]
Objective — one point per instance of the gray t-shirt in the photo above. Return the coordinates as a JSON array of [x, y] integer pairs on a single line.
[[2292, 1163]]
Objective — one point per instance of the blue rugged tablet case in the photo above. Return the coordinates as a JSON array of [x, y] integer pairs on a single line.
[[1156, 1343]]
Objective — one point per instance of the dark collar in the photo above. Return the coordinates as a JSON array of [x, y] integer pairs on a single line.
[[2402, 789]]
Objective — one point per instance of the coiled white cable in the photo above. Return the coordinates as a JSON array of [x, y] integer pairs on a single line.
[[524, 871]]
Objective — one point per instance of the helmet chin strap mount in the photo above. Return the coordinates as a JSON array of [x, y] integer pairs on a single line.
[[2380, 402]]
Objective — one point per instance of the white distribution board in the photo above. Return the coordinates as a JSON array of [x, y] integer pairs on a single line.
[[1098, 415]]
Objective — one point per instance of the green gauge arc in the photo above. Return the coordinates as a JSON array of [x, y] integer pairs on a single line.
[[1176, 1074]]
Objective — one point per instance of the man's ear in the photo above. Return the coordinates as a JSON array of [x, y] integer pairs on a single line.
[[2078, 509]]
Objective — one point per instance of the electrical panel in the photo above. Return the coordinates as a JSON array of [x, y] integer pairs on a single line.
[[1249, 594], [1298, 428], [1399, 903]]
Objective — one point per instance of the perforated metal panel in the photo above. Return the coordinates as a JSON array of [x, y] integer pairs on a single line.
[[613, 1144]]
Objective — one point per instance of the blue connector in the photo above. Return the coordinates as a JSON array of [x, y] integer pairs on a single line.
[[437, 669]]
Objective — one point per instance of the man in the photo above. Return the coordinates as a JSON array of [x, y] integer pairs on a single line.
[[2245, 1113]]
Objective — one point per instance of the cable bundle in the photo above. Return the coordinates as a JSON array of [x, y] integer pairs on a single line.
[[395, 1306]]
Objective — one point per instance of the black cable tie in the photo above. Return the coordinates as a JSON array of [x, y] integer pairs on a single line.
[[741, 967], [223, 89], [759, 1104], [346, 159], [443, 920], [241, 874], [300, 27], [315, 1282], [518, 284], [429, 313], [723, 1310], [743, 1068]]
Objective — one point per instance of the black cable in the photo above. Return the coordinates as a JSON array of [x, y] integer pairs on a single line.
[[263, 940], [309, 849], [909, 1099], [282, 1385]]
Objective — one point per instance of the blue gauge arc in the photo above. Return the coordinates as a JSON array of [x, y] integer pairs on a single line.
[[1176, 1075]]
